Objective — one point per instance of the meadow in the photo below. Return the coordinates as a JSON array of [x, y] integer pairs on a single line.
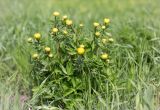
[[134, 73]]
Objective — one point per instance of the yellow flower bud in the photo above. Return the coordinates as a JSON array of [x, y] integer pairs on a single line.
[[54, 30], [96, 24], [29, 40], [104, 41], [50, 55], [103, 27], [35, 56], [82, 46], [97, 34], [47, 49], [37, 36], [106, 21], [65, 32], [56, 13], [111, 40], [108, 61], [104, 56], [81, 25], [69, 22], [80, 50], [64, 17]]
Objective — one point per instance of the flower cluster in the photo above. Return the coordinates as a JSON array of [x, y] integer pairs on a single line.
[[68, 53]]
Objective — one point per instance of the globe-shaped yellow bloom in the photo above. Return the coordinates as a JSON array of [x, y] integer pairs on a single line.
[[56, 13], [47, 49], [54, 30], [96, 24], [111, 40], [80, 50], [97, 34], [106, 21], [35, 56], [37, 36], [104, 56], [69, 22], [103, 27], [64, 17], [104, 41], [50, 55]]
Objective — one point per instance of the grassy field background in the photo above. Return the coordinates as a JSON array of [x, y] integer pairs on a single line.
[[136, 30]]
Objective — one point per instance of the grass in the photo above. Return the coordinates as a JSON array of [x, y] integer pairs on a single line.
[[136, 56]]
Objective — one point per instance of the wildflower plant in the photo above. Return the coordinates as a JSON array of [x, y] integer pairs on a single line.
[[69, 63]]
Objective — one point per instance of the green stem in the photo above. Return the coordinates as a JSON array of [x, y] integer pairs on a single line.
[[58, 49]]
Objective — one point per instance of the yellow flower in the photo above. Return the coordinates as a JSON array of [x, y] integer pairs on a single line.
[[50, 55], [65, 32], [104, 41], [47, 49], [103, 27], [35, 56], [64, 17], [69, 22], [80, 50], [82, 46], [56, 13], [111, 40], [96, 24], [104, 56], [37, 36], [107, 21], [81, 25], [29, 40], [97, 34], [54, 30]]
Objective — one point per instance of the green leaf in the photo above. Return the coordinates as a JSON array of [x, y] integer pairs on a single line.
[[63, 69], [75, 82], [69, 68], [100, 98], [68, 92]]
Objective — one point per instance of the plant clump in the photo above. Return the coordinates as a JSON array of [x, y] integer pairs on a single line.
[[69, 62]]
